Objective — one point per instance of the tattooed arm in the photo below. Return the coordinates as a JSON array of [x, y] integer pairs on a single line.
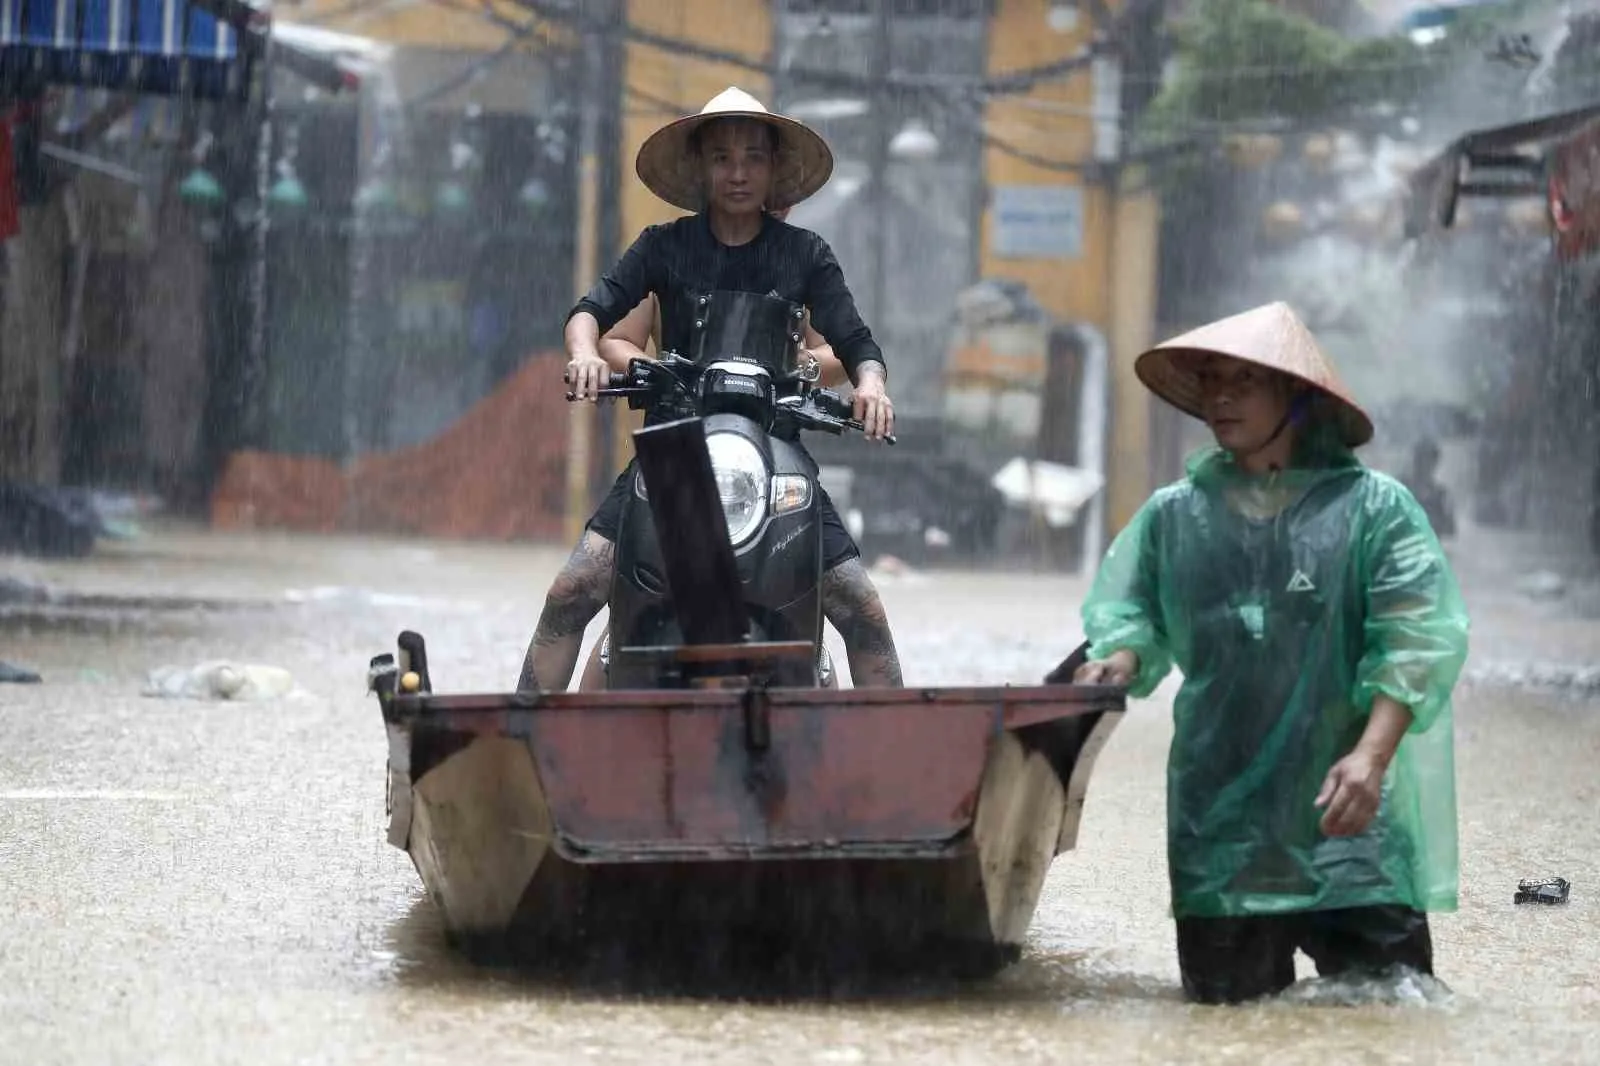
[[575, 597], [851, 603]]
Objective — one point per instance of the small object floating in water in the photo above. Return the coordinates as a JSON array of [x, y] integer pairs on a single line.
[[219, 680], [1542, 585], [1548, 890], [18, 675]]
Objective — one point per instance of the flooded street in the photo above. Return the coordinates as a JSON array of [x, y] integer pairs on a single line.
[[185, 881]]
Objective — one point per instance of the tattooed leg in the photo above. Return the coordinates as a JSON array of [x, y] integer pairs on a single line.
[[575, 597], [851, 603]]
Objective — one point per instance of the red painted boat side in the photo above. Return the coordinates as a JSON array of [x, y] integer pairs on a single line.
[[684, 774]]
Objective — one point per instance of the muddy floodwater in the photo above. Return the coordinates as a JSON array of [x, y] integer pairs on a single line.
[[187, 881]]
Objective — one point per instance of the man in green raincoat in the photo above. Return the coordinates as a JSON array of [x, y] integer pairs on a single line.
[[1319, 631]]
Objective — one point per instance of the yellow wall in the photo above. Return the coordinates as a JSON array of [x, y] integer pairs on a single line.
[[1111, 284], [740, 26], [1021, 37], [1132, 275]]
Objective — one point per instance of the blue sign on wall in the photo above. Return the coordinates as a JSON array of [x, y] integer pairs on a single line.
[[1037, 222]]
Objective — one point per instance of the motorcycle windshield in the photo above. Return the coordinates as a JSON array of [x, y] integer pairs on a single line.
[[746, 325]]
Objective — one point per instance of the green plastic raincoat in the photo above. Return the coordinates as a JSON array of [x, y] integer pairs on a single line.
[[1288, 601]]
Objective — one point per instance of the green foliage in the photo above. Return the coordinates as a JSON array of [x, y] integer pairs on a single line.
[[1242, 60]]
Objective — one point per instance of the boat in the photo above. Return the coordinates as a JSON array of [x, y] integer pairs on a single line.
[[910, 827]]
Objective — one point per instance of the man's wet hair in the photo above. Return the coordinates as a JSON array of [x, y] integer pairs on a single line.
[[774, 138]]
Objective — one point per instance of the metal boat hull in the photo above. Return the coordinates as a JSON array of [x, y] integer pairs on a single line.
[[864, 825]]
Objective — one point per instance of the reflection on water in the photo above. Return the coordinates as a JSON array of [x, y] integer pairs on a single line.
[[421, 955]]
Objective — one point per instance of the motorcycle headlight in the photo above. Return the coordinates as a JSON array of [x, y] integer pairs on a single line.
[[742, 482]]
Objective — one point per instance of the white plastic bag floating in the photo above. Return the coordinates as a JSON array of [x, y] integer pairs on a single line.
[[219, 680], [1056, 490]]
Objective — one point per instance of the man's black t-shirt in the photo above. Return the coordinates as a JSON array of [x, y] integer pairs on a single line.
[[683, 258]]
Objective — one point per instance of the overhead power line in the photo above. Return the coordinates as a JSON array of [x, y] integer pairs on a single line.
[[517, 35], [660, 105], [1018, 81]]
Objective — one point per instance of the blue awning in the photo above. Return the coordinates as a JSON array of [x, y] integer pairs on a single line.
[[169, 47]]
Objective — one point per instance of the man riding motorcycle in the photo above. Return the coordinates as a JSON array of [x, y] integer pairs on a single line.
[[734, 164], [627, 340]]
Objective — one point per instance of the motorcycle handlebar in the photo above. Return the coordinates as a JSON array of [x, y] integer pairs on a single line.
[[850, 423], [840, 410], [613, 381], [615, 390], [616, 385], [829, 406]]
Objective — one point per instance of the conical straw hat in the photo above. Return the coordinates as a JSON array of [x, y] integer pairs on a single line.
[[1272, 336], [667, 167]]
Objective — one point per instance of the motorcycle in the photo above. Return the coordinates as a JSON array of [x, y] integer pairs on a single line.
[[720, 543]]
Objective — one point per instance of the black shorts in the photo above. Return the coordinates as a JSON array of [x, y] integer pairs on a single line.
[[1231, 960], [838, 546]]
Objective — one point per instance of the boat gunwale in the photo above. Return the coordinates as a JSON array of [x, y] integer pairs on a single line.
[[1018, 706]]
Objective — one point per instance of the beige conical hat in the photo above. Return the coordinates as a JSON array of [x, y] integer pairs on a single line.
[[667, 167], [1272, 336]]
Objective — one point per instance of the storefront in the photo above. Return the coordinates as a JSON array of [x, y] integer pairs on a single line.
[[133, 321], [1539, 455]]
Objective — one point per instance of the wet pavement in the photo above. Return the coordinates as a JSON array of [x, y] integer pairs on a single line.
[[208, 882]]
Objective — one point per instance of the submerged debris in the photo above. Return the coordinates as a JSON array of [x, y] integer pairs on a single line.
[[1543, 585]]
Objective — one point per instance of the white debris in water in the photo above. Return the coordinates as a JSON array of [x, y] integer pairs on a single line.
[[219, 680], [1542, 584]]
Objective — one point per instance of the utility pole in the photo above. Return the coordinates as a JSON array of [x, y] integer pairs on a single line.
[[881, 133], [581, 417], [253, 367], [614, 432]]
